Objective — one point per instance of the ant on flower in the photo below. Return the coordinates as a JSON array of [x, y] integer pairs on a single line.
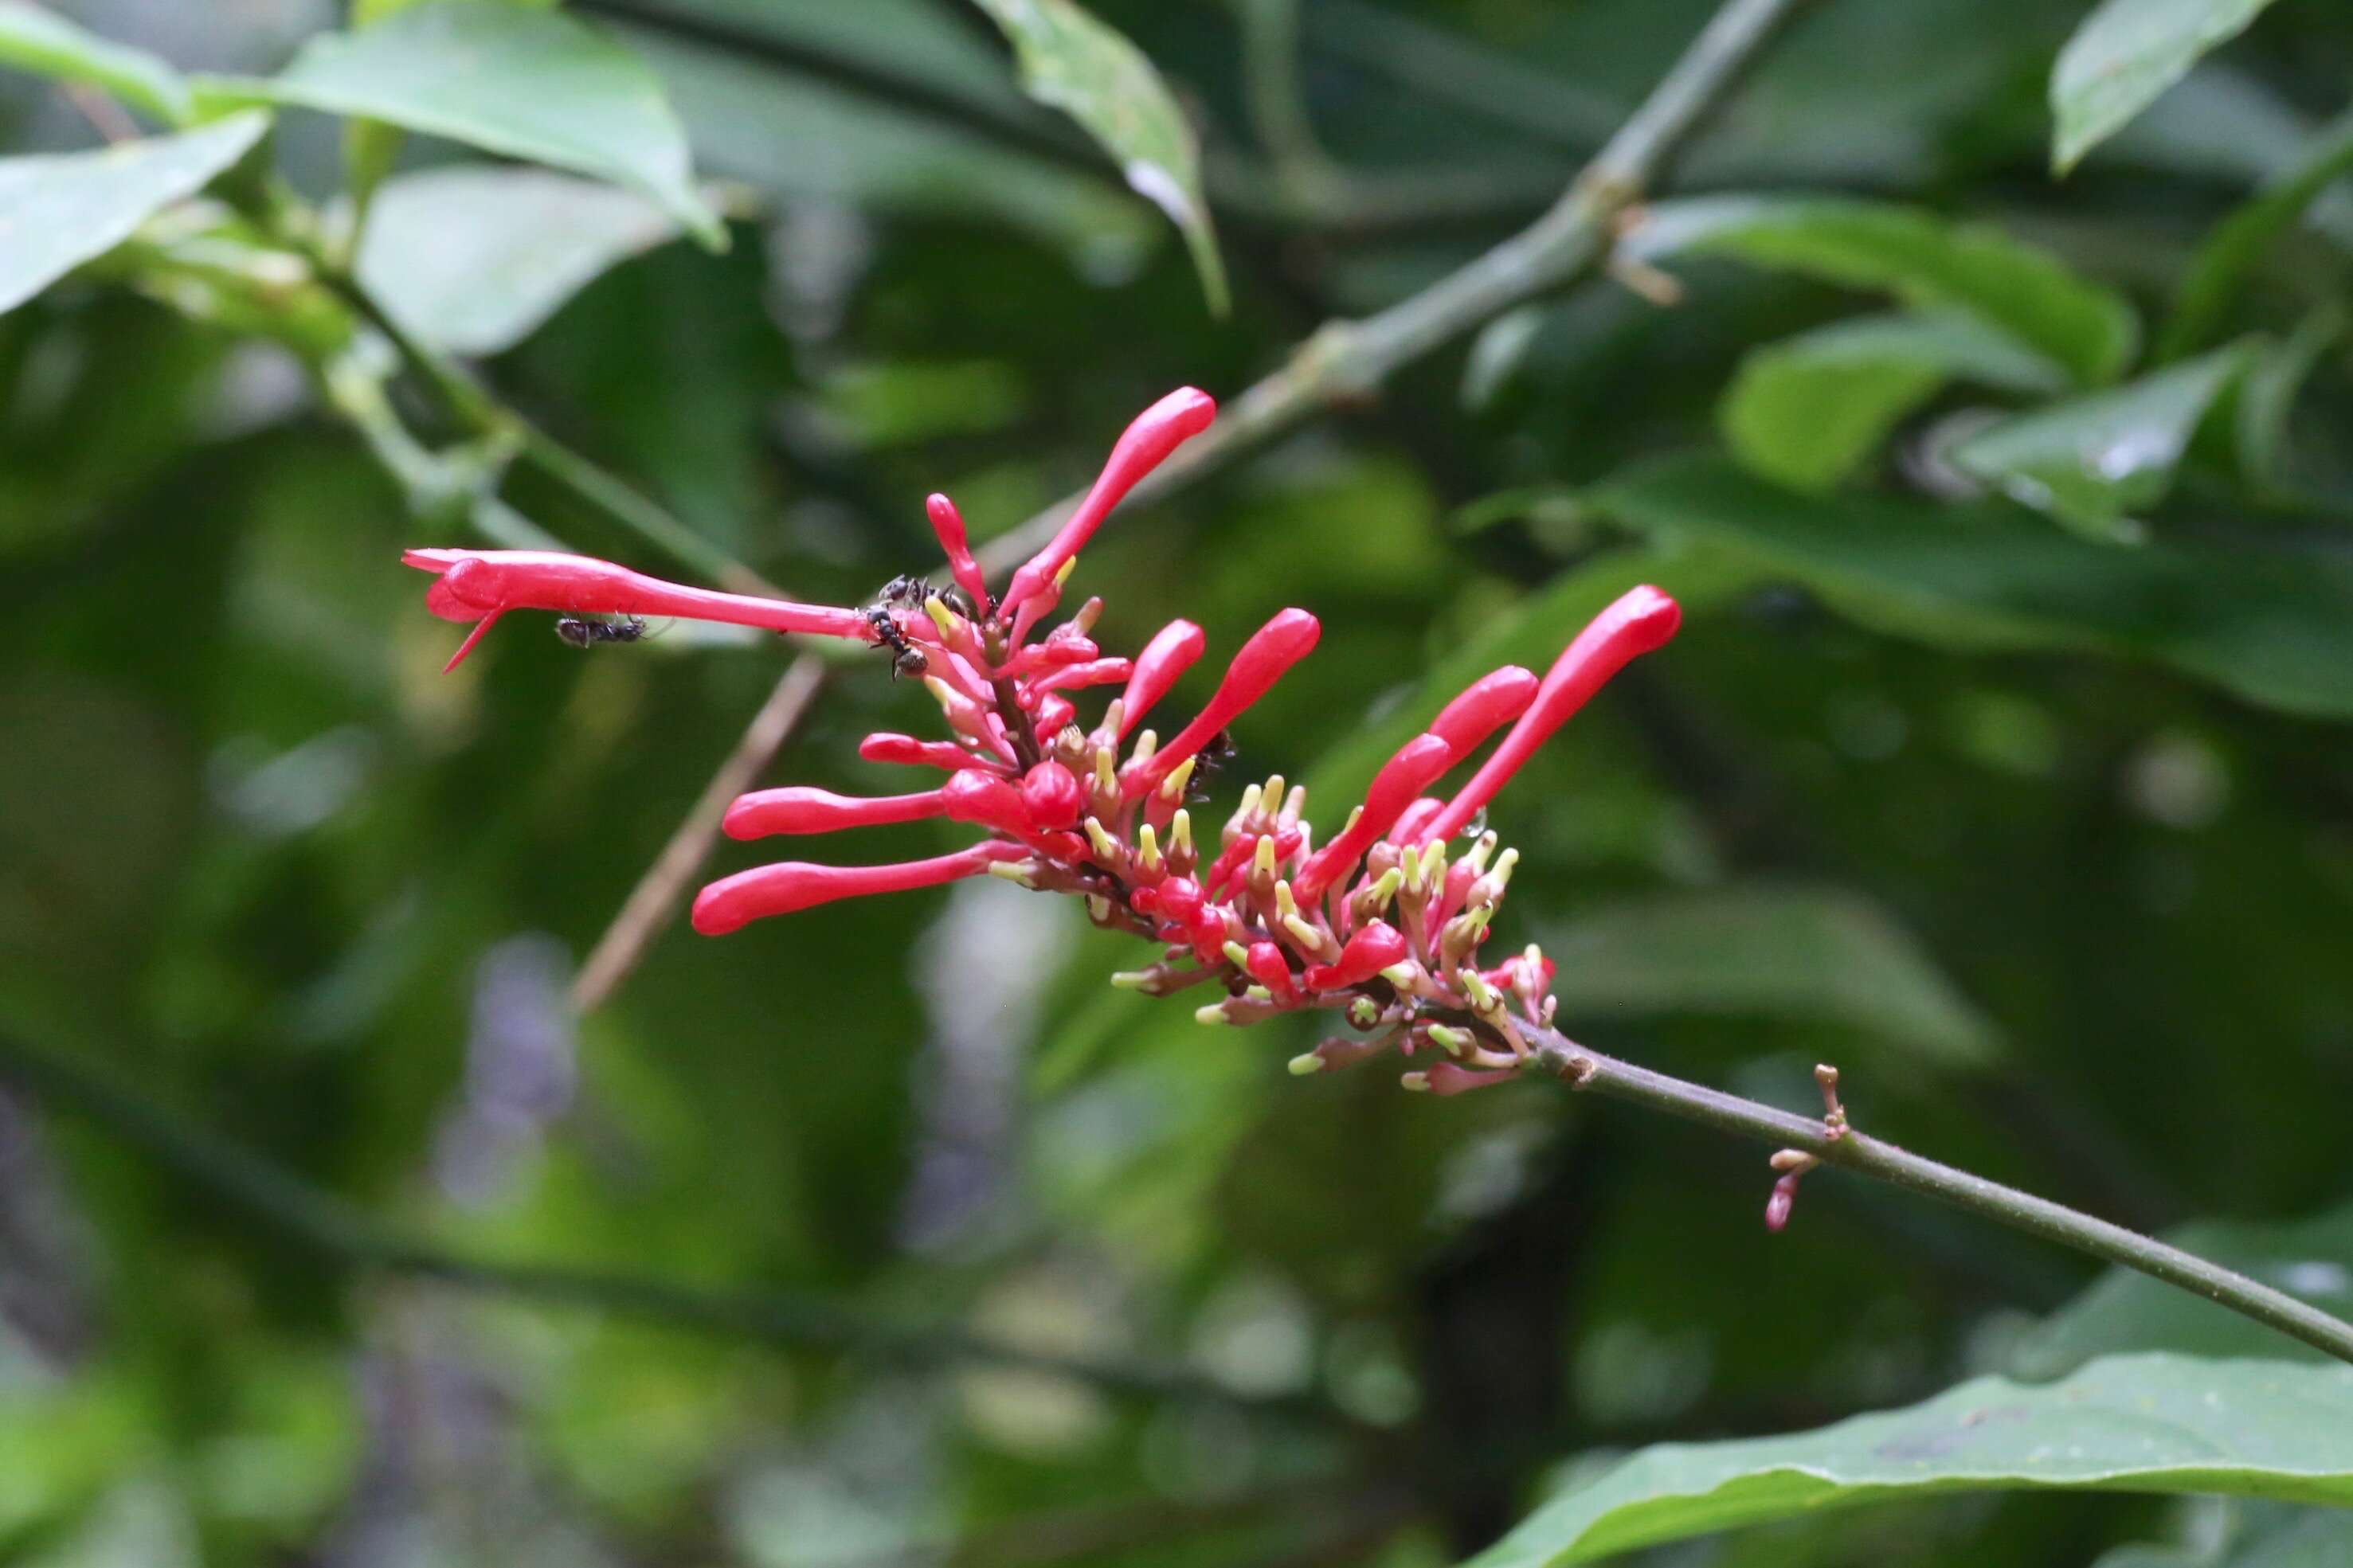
[[581, 633]]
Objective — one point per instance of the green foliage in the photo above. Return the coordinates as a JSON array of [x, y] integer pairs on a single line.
[[1074, 63], [2153, 1422], [2124, 54], [34, 38]]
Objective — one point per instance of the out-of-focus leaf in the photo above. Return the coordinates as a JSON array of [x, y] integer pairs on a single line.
[[34, 38], [2093, 462], [1072, 62], [1807, 410], [822, 140], [2310, 1258], [2273, 625], [1920, 258], [62, 211], [2124, 54], [2131, 1423], [2268, 394], [526, 83], [2234, 247], [1786, 952], [473, 259]]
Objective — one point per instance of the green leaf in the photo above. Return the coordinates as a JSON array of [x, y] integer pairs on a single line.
[[1807, 410], [2124, 54], [2238, 243], [56, 212], [1788, 952], [37, 40], [474, 259], [1921, 259], [2267, 396], [2273, 625], [1074, 63], [2128, 1424], [2310, 1258], [2093, 462], [524, 83]]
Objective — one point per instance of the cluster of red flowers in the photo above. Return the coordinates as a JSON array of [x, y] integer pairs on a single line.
[[1384, 923]]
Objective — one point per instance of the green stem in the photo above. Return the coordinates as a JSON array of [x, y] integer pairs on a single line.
[[1851, 1150], [1347, 360], [349, 1236]]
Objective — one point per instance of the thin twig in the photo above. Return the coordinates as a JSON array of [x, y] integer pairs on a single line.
[[1852, 1151], [349, 1236], [1345, 360], [653, 902]]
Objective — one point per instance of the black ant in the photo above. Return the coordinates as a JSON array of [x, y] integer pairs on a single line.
[[908, 593], [1208, 763], [906, 659], [585, 634]]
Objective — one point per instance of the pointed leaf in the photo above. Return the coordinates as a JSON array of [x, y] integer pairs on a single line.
[[2124, 54], [474, 259], [2274, 625], [1074, 63], [2093, 462], [56, 212], [1809, 410], [2128, 1424], [34, 38], [524, 83], [2238, 243], [1917, 256]]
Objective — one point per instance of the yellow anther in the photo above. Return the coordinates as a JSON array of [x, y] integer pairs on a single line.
[[942, 617], [1173, 786], [1063, 575], [1146, 743], [1285, 905], [1452, 1041], [1262, 861], [1250, 802], [1387, 888], [1307, 1064], [1418, 1082], [1106, 781], [1477, 857], [1133, 979], [1309, 937], [1215, 1012], [1106, 847], [1271, 797], [1238, 955], [1147, 847], [1014, 871], [1503, 864], [1258, 994], [1180, 832]]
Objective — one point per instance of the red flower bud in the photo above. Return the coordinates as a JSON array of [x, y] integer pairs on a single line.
[[1076, 676], [1486, 706], [483, 584], [799, 809], [1052, 795], [1442, 1079], [1156, 432], [948, 523], [1376, 946], [1641, 620], [732, 902], [1054, 711], [1271, 969], [1402, 777], [1272, 649], [1168, 655], [885, 747], [1180, 897], [986, 801], [1416, 816]]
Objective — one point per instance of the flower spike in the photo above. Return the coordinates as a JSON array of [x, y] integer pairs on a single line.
[[1641, 620]]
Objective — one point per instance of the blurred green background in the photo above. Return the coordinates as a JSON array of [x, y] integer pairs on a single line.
[[2002, 761]]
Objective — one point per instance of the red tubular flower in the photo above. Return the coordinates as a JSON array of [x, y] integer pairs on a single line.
[[1076, 676], [732, 902], [799, 809], [1486, 706], [1376, 946], [948, 523], [1156, 432], [1169, 654], [1272, 649], [1417, 764], [885, 747], [483, 584], [1417, 815], [1443, 1078], [987, 801], [1054, 711], [1641, 620], [1050, 794]]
